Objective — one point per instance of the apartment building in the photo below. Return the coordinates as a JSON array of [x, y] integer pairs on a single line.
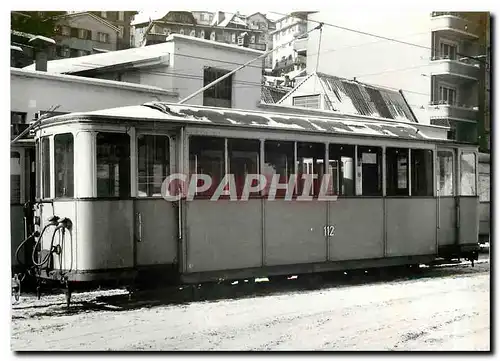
[[122, 20], [223, 27], [287, 59], [439, 60]]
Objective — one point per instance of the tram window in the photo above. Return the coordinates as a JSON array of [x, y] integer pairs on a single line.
[[445, 172], [15, 178], [310, 161], [154, 164], [421, 172], [45, 167], [468, 174], [244, 159], [278, 159], [63, 164], [370, 171], [113, 165], [397, 171], [206, 156], [341, 159]]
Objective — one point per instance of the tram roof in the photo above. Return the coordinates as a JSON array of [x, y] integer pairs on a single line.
[[177, 113]]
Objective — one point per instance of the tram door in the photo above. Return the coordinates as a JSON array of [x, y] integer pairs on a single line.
[[446, 173], [156, 219]]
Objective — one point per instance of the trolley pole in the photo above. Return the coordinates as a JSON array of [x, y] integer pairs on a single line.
[[218, 80]]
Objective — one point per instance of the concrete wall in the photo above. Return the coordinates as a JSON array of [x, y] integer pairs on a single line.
[[373, 60], [36, 91]]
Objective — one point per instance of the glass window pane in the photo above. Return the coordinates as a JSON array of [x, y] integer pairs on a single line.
[[37, 168], [15, 178], [310, 160], [397, 172], [278, 159], [63, 164], [421, 172], [341, 159], [244, 159], [445, 171], [370, 171], [154, 164], [468, 174], [113, 165], [206, 156], [45, 167]]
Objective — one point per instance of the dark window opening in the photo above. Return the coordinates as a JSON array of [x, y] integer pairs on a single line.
[[397, 172], [113, 165], [244, 159], [278, 159], [63, 165], [310, 161], [421, 172], [370, 169], [219, 95], [341, 163], [154, 164], [15, 178], [206, 156]]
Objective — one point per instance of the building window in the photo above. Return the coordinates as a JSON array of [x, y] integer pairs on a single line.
[[45, 157], [341, 169], [278, 160], [192, 33], [121, 16], [15, 177], [206, 156], [103, 37], [447, 95], [252, 39], [103, 14], [369, 171], [202, 34], [448, 50], [310, 161], [308, 101], [233, 38], [421, 172], [65, 51], [154, 164], [84, 34], [397, 172], [181, 31], [121, 30], [243, 159], [66, 31], [113, 165], [212, 36], [202, 17], [73, 53], [63, 165], [219, 95], [468, 174]]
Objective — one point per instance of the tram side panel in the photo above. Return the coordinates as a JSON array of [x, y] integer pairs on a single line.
[[294, 232], [16, 232], [358, 229], [469, 220], [223, 235], [447, 221], [411, 226]]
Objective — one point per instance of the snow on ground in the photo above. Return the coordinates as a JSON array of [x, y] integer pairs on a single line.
[[441, 309]]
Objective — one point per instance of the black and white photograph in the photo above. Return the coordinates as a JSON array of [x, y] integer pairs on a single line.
[[222, 177]]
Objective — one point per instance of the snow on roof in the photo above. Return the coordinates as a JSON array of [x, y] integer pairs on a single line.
[[160, 111], [95, 61]]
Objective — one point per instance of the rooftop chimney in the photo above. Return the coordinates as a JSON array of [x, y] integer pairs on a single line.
[[42, 47]]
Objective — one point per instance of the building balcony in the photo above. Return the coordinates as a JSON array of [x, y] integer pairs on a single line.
[[300, 45], [453, 24], [442, 110], [462, 70]]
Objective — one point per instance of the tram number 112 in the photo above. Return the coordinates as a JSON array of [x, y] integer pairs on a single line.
[[329, 231]]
